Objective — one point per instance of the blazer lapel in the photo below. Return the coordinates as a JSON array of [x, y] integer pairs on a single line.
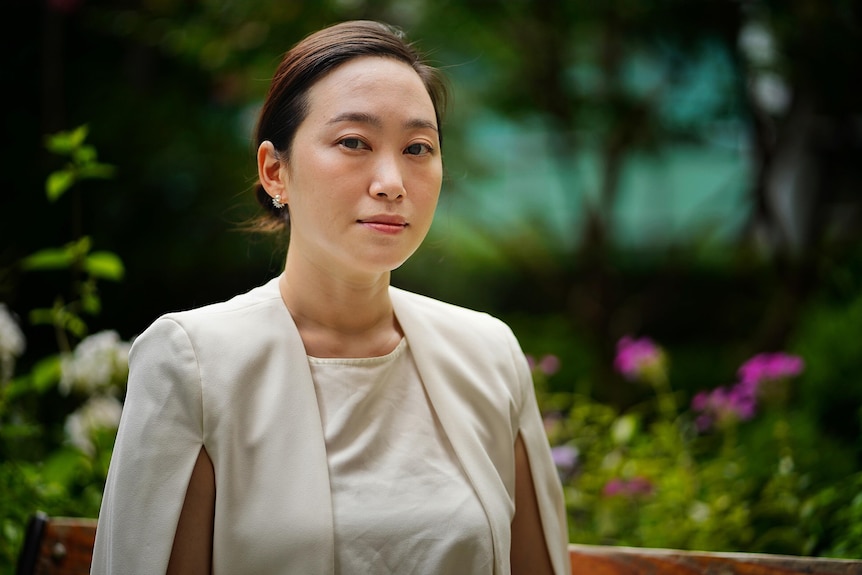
[[295, 429], [445, 379]]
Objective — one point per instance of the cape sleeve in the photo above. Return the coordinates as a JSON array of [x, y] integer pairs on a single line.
[[158, 442], [549, 489]]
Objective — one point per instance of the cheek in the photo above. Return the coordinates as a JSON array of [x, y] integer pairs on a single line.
[[431, 188], [316, 174], [429, 179], [308, 167], [426, 203]]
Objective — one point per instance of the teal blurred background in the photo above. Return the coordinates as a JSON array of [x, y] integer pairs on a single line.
[[688, 171]]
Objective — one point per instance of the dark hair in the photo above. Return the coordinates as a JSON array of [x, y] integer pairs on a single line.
[[286, 104]]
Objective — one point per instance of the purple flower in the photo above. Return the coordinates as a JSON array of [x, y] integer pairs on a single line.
[[723, 406], [553, 422], [763, 377], [638, 358], [638, 486], [548, 365], [770, 366], [565, 457], [614, 487], [742, 402], [700, 402]]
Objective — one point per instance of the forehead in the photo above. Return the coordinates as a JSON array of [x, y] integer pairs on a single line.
[[371, 83]]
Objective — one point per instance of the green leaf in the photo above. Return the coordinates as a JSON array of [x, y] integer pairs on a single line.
[[46, 373], [91, 304], [58, 183], [65, 143], [21, 431], [63, 466], [85, 155], [43, 376], [97, 171], [105, 265], [42, 316], [49, 259], [14, 388], [624, 429], [81, 247], [75, 325], [59, 316]]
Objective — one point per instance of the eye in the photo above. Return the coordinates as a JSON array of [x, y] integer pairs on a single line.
[[418, 149], [353, 144]]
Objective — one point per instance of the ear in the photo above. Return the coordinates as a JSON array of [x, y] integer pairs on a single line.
[[269, 171]]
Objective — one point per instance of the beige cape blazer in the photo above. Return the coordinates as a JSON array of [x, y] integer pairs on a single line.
[[233, 377]]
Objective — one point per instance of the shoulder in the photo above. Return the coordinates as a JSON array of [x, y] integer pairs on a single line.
[[445, 315], [473, 336], [246, 308], [262, 299], [237, 321]]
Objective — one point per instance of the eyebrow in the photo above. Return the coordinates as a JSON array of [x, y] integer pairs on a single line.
[[377, 122]]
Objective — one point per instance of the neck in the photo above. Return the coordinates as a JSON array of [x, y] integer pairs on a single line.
[[338, 316]]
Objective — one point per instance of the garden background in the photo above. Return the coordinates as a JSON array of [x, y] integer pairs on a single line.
[[653, 194]]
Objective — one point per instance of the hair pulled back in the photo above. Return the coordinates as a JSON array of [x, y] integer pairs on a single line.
[[286, 104]]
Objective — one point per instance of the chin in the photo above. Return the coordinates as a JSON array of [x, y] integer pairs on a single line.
[[385, 264]]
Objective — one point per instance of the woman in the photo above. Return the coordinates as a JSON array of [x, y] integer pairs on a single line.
[[327, 422]]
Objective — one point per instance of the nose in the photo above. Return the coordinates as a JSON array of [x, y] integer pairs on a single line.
[[387, 182]]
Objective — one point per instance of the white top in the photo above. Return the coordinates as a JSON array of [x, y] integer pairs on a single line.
[[401, 502]]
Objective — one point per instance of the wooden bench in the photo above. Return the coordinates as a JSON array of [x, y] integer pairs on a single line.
[[608, 560], [64, 546], [57, 546]]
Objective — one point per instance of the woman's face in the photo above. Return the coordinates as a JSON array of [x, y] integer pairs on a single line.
[[365, 169]]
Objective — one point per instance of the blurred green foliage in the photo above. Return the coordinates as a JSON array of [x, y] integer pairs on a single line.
[[650, 476], [56, 429]]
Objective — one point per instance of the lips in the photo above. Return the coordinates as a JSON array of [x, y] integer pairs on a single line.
[[384, 219], [385, 223]]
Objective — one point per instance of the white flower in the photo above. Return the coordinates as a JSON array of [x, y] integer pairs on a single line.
[[101, 412], [771, 92], [12, 343], [99, 363], [699, 512], [757, 44]]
